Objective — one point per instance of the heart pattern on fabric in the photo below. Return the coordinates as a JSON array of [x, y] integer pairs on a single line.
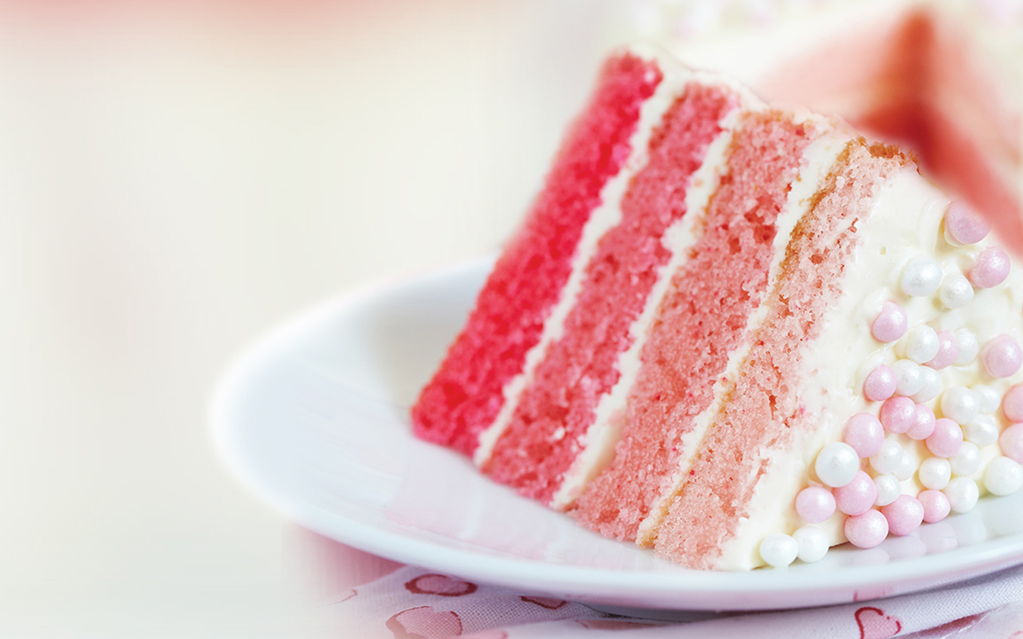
[[875, 624], [424, 623], [441, 585], [545, 602]]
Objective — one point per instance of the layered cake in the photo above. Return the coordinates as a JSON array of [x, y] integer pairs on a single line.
[[941, 77], [738, 333]]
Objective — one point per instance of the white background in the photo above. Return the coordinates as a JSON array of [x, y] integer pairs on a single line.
[[174, 181]]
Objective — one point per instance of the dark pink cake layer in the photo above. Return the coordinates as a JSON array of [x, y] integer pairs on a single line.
[[699, 324], [762, 412], [465, 395], [543, 437]]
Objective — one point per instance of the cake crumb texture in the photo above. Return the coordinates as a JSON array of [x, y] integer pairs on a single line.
[[762, 415], [465, 395], [699, 323]]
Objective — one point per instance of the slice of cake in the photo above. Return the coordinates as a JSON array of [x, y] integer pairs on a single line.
[[942, 77], [737, 333]]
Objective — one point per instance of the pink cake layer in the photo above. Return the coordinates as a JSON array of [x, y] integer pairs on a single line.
[[465, 395], [763, 413], [554, 413], [699, 323]]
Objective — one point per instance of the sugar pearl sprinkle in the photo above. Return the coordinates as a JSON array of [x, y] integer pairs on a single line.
[[890, 324], [865, 434], [931, 387], [920, 277], [948, 351], [935, 473], [960, 404], [1001, 356], [888, 489], [990, 269], [921, 344], [1012, 404], [837, 464], [880, 384], [904, 515], [921, 395], [815, 504], [866, 530], [909, 379], [955, 291], [779, 550]]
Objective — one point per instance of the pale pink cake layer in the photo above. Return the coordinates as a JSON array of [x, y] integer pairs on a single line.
[[699, 323], [554, 413], [763, 413]]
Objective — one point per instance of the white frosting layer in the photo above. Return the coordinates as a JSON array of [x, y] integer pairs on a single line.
[[905, 222], [600, 439], [604, 218], [818, 158]]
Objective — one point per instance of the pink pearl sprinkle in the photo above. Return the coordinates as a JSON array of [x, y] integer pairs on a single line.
[[858, 496], [866, 530], [935, 503], [815, 504], [865, 434], [1012, 403], [964, 224], [947, 351], [880, 384], [890, 324], [1011, 442], [1001, 356], [946, 438], [904, 515], [898, 414], [923, 423], [990, 269]]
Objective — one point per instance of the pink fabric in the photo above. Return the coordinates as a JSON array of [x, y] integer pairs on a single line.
[[413, 603]]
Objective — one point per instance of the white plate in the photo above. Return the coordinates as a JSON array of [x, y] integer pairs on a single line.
[[314, 420]]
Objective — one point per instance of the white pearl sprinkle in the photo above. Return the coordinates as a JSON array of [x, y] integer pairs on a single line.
[[955, 291], [1003, 476], [921, 343], [934, 473], [967, 345], [888, 489], [967, 460], [909, 379], [813, 543], [982, 431], [837, 464], [960, 404], [906, 467], [921, 276], [887, 459], [989, 398], [931, 387], [779, 550], [962, 494]]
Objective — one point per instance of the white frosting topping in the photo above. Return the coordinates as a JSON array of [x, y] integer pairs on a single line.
[[905, 222]]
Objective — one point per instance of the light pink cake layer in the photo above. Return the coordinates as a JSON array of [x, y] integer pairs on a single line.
[[543, 438], [699, 323], [762, 413]]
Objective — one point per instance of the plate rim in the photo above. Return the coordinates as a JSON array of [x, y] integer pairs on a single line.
[[584, 584]]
